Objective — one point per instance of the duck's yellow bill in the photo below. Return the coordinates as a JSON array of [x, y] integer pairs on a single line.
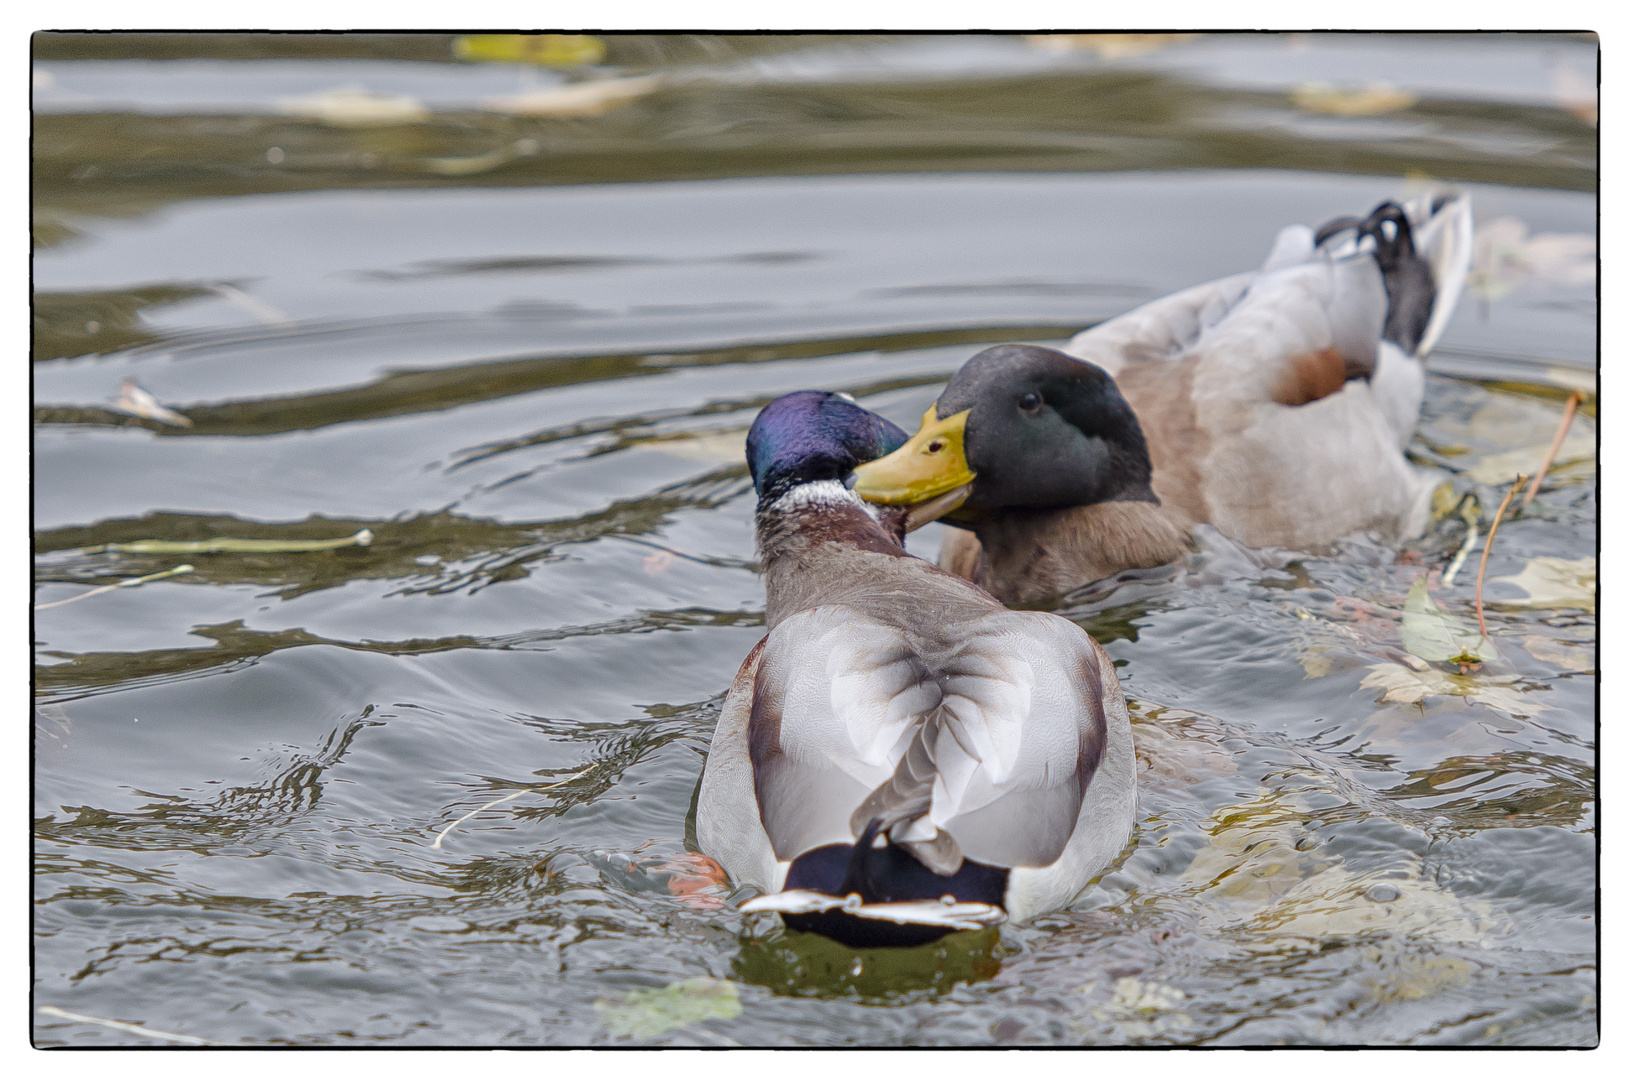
[[931, 463]]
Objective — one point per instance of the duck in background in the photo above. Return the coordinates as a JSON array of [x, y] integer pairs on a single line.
[[1274, 405], [900, 756]]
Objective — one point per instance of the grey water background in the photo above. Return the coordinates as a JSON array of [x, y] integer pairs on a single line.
[[524, 350]]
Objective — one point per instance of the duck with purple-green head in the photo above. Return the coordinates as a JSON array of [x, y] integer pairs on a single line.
[[900, 756]]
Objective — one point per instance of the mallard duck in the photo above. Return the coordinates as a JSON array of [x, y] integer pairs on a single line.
[[1273, 405], [900, 756]]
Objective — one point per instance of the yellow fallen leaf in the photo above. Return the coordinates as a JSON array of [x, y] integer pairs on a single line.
[[547, 50], [579, 99], [1574, 93], [1372, 99], [1554, 583], [353, 106], [1107, 46]]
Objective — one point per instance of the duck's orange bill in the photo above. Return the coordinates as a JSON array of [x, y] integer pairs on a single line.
[[931, 463]]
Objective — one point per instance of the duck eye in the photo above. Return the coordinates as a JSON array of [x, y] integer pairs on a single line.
[[936, 446], [1030, 402]]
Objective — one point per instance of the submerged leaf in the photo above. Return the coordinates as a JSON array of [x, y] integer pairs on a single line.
[[1567, 656], [648, 1012], [1315, 661], [1338, 902], [1554, 583], [1431, 633]]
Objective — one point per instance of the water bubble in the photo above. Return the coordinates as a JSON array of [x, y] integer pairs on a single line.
[[855, 968], [275, 155], [1383, 893]]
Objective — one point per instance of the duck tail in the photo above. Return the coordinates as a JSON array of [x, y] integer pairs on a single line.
[[1423, 250], [885, 896], [1443, 237]]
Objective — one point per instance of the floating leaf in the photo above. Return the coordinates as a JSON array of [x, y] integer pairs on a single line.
[[480, 163], [579, 99], [1564, 655], [361, 538], [1504, 256], [1372, 99], [1554, 583], [1497, 469], [648, 1012], [547, 50], [1107, 46], [1431, 633], [1402, 685], [135, 401], [1575, 93], [713, 447], [352, 106]]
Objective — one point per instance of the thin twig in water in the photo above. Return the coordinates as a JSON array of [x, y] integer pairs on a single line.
[[1556, 445], [1470, 515], [1482, 627], [120, 1025], [1460, 556], [512, 795], [184, 568]]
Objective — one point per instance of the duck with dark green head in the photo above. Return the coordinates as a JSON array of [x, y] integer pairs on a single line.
[[1272, 405], [900, 756], [1050, 469]]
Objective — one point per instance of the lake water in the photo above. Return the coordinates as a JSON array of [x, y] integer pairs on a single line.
[[523, 351]]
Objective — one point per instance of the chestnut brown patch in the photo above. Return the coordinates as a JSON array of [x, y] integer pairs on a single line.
[[1311, 376]]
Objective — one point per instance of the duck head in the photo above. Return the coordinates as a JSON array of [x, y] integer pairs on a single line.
[[1019, 426], [813, 435]]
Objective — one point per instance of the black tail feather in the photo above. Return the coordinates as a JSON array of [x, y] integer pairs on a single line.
[[1407, 276], [882, 875]]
